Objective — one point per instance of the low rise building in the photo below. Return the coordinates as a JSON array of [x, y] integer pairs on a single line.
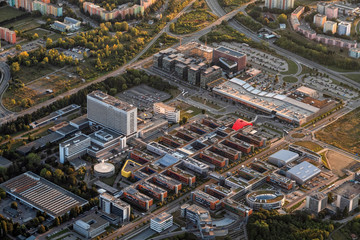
[[303, 172], [201, 217], [283, 157], [161, 222], [354, 52], [172, 114], [91, 226], [205, 199]]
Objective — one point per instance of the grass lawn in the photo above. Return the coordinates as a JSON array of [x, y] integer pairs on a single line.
[[354, 77], [310, 145], [292, 69], [339, 69], [40, 32], [306, 70], [28, 74], [298, 135], [164, 41], [207, 103], [290, 79], [190, 112], [25, 24], [343, 133], [9, 13]]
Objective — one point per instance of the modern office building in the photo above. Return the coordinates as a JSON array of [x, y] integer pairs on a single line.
[[112, 205], [7, 35], [303, 172], [316, 202], [201, 217], [236, 207], [172, 114], [330, 26], [280, 181], [181, 175], [279, 4], [283, 157], [91, 226], [112, 113], [161, 222], [153, 191], [344, 28], [135, 197], [319, 20], [210, 74], [41, 194], [228, 54], [205, 199], [74, 147], [167, 182]]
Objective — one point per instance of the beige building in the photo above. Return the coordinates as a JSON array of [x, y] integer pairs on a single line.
[[171, 113], [319, 20], [330, 26]]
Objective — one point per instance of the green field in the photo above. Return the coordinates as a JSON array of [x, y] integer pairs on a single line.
[[25, 24], [343, 133], [9, 13], [310, 145], [354, 77], [290, 79], [293, 68], [190, 112]]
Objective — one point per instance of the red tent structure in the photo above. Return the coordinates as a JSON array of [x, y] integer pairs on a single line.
[[239, 124]]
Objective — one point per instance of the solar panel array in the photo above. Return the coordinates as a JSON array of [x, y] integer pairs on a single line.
[[42, 194]]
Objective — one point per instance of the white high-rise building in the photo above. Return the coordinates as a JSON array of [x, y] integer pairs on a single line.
[[344, 28], [279, 4], [112, 113], [74, 147]]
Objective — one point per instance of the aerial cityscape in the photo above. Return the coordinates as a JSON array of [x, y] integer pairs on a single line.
[[169, 119]]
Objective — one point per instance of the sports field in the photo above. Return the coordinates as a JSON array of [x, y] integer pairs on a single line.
[[9, 13]]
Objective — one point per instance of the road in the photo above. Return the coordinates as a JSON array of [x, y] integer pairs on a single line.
[[219, 11], [4, 83]]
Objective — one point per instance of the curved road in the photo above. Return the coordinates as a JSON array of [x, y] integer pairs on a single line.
[[4, 83], [219, 11]]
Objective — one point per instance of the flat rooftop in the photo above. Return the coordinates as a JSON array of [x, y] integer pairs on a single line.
[[42, 194], [167, 179], [153, 187], [281, 104], [162, 217], [91, 222], [75, 140], [229, 51], [205, 196], [165, 106], [349, 189], [285, 155], [304, 171], [110, 100], [135, 193]]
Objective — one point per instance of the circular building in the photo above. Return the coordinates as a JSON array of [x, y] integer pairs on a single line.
[[267, 199], [104, 169]]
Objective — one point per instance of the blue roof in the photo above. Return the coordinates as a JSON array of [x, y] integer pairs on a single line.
[[71, 20], [167, 160]]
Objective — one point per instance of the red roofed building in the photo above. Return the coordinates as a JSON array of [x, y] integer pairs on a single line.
[[239, 124]]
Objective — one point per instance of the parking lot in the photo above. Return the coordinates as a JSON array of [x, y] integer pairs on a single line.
[[261, 58], [143, 96], [325, 85], [25, 213]]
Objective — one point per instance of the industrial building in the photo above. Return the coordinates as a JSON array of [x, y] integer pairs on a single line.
[[171, 113], [303, 172], [283, 107], [135, 197], [41, 194], [205, 199], [112, 205], [226, 58], [348, 195], [91, 226], [161, 222], [316, 202], [283, 157], [112, 113]]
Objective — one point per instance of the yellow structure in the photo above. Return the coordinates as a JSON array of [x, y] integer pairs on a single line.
[[128, 167]]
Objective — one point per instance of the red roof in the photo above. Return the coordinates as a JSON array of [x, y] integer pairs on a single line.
[[239, 124]]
